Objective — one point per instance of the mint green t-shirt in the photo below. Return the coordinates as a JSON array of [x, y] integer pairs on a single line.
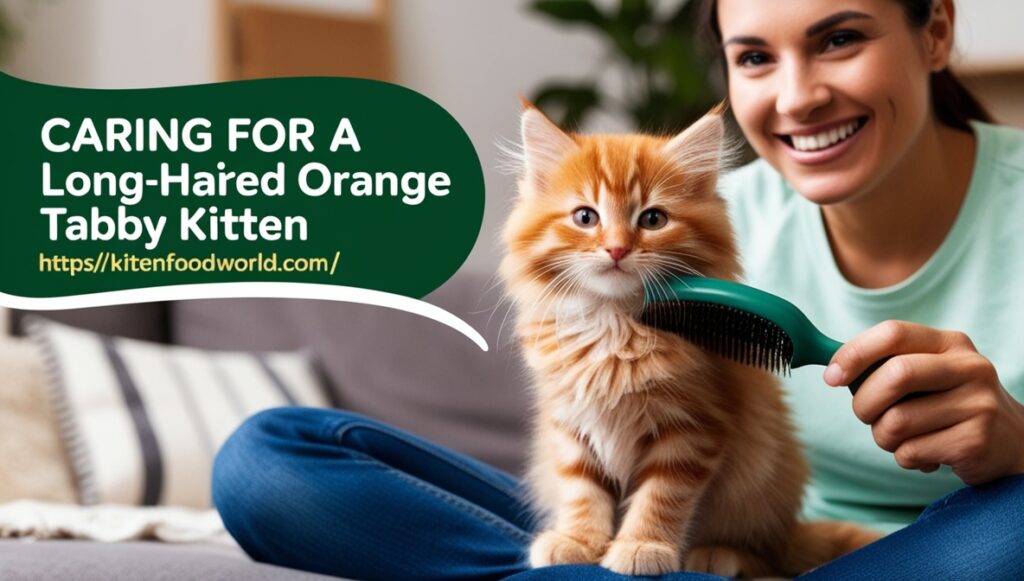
[[973, 283]]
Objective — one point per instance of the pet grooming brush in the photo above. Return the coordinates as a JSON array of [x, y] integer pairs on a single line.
[[742, 323]]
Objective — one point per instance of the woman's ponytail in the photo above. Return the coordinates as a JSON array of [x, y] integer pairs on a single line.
[[954, 104]]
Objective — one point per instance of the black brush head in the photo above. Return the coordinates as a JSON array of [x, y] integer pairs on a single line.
[[730, 332]]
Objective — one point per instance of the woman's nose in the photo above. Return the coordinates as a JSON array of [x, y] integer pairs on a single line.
[[801, 93]]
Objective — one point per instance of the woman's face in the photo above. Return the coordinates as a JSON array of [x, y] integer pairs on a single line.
[[833, 94]]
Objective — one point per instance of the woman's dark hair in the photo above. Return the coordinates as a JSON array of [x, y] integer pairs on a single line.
[[953, 103]]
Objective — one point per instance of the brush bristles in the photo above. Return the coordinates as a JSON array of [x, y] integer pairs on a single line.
[[727, 331]]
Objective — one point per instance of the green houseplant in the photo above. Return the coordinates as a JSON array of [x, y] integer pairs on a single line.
[[667, 69]]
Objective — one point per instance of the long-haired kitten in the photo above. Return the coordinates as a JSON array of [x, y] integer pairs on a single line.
[[649, 454]]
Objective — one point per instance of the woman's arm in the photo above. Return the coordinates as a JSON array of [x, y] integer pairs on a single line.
[[966, 419]]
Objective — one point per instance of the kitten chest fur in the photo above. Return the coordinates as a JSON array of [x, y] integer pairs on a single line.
[[597, 380]]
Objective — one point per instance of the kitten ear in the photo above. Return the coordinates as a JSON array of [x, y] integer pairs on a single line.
[[544, 144], [701, 149]]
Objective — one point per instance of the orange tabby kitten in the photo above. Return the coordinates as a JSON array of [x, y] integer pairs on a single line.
[[649, 454]]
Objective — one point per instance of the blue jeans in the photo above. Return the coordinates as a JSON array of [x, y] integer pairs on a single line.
[[337, 493]]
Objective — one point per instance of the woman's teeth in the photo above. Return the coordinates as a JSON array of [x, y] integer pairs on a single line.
[[825, 138]]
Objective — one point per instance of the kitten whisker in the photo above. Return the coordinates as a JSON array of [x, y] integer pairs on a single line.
[[652, 338], [553, 264], [677, 263], [554, 286], [511, 156], [575, 283], [568, 283], [674, 264]]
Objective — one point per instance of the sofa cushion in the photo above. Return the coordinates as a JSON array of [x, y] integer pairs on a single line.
[[136, 561], [142, 421], [394, 366]]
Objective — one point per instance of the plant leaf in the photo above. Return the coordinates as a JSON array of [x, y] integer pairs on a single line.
[[634, 13], [667, 66], [571, 11], [685, 17]]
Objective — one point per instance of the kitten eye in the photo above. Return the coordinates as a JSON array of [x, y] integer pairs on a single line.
[[653, 219], [585, 217]]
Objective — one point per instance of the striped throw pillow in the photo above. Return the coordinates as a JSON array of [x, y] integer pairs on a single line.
[[142, 421]]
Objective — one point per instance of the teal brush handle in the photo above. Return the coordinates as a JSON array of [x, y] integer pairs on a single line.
[[817, 344], [825, 343]]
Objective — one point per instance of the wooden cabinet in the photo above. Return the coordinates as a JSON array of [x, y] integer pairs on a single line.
[[274, 39]]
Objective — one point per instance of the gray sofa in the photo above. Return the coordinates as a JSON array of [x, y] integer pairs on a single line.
[[411, 372]]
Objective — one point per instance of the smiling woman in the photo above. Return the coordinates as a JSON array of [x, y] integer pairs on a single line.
[[868, 65], [886, 200]]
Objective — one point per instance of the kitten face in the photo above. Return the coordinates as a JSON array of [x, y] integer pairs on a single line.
[[602, 215]]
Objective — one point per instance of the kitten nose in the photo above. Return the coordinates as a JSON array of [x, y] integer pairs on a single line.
[[617, 252]]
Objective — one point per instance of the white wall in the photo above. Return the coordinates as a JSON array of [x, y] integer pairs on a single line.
[[989, 32], [53, 41], [113, 44]]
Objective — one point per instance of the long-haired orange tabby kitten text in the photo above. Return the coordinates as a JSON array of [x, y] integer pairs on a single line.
[[649, 454]]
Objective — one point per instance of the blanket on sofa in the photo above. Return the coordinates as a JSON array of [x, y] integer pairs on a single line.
[[111, 523]]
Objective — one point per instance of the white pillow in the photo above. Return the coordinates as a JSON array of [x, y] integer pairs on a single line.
[[143, 421], [32, 459]]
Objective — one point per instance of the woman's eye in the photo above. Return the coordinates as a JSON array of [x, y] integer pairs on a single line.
[[653, 219], [585, 217], [842, 38], [752, 59]]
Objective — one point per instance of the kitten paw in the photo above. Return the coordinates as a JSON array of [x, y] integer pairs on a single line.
[[555, 548], [629, 557]]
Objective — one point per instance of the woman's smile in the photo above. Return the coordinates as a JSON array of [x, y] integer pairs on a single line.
[[823, 143]]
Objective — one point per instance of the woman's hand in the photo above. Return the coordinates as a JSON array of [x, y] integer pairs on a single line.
[[965, 419]]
